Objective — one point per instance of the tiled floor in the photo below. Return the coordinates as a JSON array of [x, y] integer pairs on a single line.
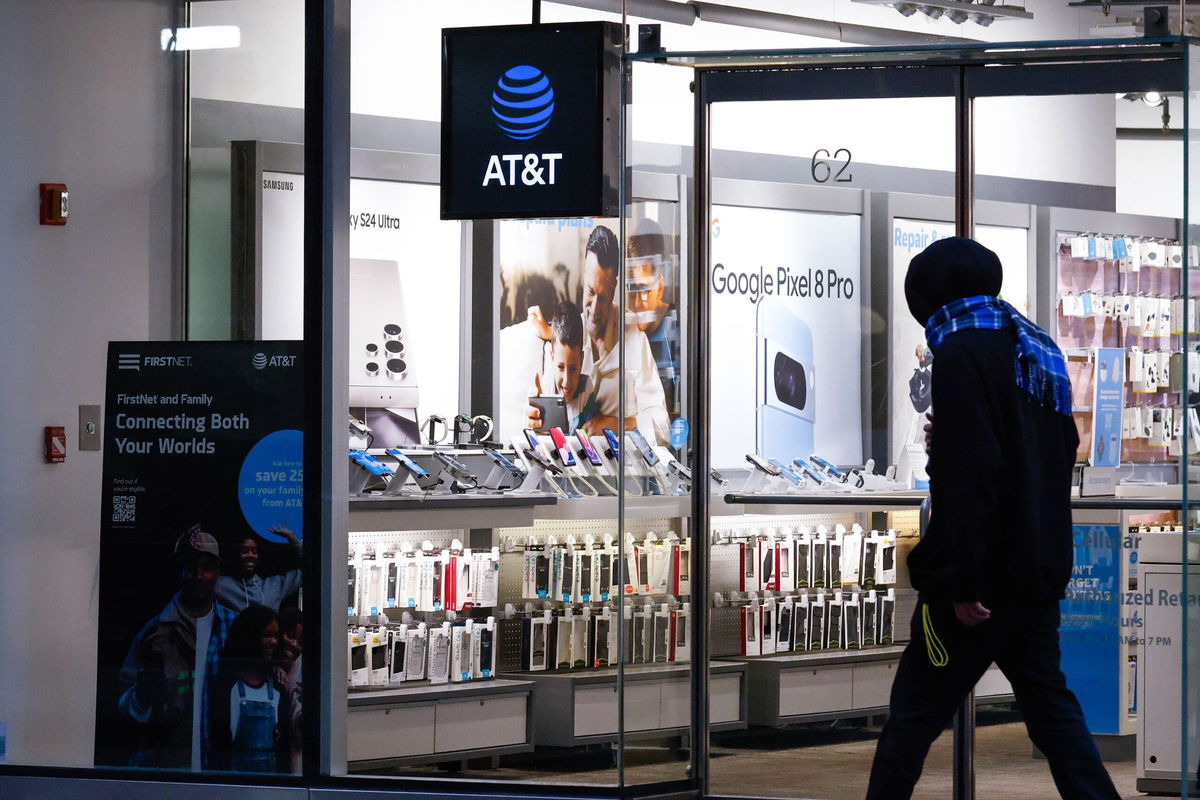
[[815, 764]]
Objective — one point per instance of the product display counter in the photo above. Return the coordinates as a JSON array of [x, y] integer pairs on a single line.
[[579, 707], [445, 722]]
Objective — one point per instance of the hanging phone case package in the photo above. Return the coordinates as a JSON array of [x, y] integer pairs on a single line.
[[529, 568], [606, 638], [803, 559], [870, 608], [766, 618], [536, 641], [785, 573], [681, 570], [852, 622], [377, 654], [356, 647], [885, 570], [416, 643], [751, 626], [816, 621], [564, 636], [819, 560], [833, 623], [660, 567], [483, 649], [870, 550], [833, 548], [661, 635], [800, 611], [397, 638], [783, 624], [887, 617], [485, 577], [461, 652], [765, 552], [440, 638], [851, 566], [681, 631]]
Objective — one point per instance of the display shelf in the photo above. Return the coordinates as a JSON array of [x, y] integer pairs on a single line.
[[425, 723], [811, 687], [826, 503], [577, 707], [446, 512], [424, 691], [441, 512]]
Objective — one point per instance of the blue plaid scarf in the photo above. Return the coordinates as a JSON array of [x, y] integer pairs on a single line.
[[1041, 371]]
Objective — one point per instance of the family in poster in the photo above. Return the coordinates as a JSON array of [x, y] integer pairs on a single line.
[[562, 327], [200, 575]]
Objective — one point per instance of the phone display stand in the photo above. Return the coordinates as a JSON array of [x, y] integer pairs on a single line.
[[497, 477], [670, 482], [761, 482], [360, 477], [534, 472]]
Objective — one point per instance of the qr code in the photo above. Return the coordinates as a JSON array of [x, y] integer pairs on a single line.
[[124, 508]]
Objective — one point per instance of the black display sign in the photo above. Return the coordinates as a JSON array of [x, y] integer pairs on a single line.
[[530, 124], [201, 523]]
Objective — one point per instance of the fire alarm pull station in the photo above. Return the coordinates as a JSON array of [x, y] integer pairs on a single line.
[[54, 197], [55, 445]]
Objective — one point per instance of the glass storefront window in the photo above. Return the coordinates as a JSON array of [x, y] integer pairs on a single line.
[[626, 499]]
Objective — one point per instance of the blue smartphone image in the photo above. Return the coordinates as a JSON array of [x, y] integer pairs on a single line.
[[785, 385]]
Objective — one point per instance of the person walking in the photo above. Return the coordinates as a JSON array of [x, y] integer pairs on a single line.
[[997, 553]]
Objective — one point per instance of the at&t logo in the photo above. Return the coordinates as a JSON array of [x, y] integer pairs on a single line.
[[523, 102], [522, 106], [262, 361]]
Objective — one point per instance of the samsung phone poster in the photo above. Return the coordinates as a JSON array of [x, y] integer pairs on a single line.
[[786, 335], [199, 576]]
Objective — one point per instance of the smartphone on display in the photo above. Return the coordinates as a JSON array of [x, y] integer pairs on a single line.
[[763, 464], [787, 472], [532, 437], [560, 444], [830, 470], [589, 452], [680, 470], [413, 467], [506, 463], [457, 468], [718, 477], [554, 411], [614, 444], [643, 446], [807, 469]]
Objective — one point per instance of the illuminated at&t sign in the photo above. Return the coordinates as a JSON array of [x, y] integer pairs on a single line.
[[522, 106]]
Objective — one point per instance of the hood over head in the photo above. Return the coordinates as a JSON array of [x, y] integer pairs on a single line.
[[948, 270]]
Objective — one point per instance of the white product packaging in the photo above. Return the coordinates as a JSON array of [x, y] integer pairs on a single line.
[[440, 638], [483, 649], [461, 652], [397, 654], [833, 623], [417, 643], [377, 654], [681, 626], [767, 620], [852, 622], [356, 646], [751, 627], [851, 568]]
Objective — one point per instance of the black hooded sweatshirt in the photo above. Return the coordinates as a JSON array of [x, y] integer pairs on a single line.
[[1000, 465]]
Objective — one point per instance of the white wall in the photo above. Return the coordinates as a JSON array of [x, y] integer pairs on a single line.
[[87, 101]]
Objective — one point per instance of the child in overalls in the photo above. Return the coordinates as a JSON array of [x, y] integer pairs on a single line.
[[246, 708]]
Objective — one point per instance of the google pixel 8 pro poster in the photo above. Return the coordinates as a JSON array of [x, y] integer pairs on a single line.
[[200, 570], [786, 335]]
